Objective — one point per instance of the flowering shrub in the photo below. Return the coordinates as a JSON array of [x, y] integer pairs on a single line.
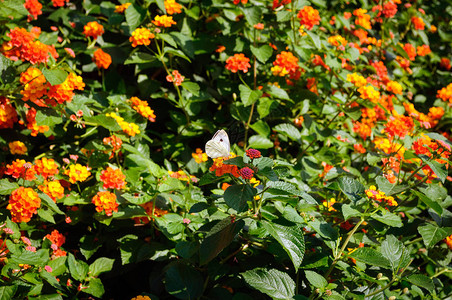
[[337, 185]]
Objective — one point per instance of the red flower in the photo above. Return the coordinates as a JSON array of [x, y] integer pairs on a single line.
[[113, 179], [246, 173], [253, 153], [309, 17]]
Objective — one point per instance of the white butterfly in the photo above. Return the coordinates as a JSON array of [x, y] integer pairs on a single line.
[[219, 145]]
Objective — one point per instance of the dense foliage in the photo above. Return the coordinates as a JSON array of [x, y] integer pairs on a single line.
[[336, 185]]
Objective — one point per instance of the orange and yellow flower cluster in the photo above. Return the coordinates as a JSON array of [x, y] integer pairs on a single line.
[[143, 108], [113, 179], [131, 129], [105, 201], [23, 204], [238, 62], [141, 36], [380, 196]]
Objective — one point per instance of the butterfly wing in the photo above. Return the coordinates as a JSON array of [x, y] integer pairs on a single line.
[[219, 145]]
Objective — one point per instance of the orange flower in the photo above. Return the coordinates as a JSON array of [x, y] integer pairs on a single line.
[[399, 125], [93, 29], [8, 115], [176, 77], [448, 241], [105, 201], [309, 17], [380, 196], [423, 50], [141, 36], [35, 86], [32, 125], [59, 3], [17, 147], [362, 19], [151, 211], [77, 173], [220, 49], [56, 238], [380, 68], [34, 8], [64, 92], [113, 179], [172, 7], [359, 148], [199, 156], [445, 93], [362, 129], [389, 9], [181, 175], [23, 204], [410, 51], [337, 41], [114, 142], [394, 87], [101, 59], [220, 168], [238, 62], [418, 23], [46, 167], [21, 169], [53, 189], [131, 129], [259, 26], [121, 8], [312, 85], [286, 63], [143, 108], [163, 21]]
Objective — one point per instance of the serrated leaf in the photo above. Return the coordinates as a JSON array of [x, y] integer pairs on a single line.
[[95, 287], [396, 253], [134, 16], [371, 257], [249, 96], [422, 281], [101, 265], [50, 203], [388, 188], [219, 237], [277, 92], [316, 280], [315, 39], [291, 239], [352, 188], [432, 234], [282, 187], [289, 130], [183, 281], [274, 283], [55, 77], [262, 53], [237, 196], [7, 187], [192, 87], [324, 229]]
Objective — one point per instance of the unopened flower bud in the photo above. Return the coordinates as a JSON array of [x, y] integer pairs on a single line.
[[379, 275]]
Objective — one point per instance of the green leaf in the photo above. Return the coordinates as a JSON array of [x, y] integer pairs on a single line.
[[7, 292], [289, 130], [291, 239], [140, 58], [50, 279], [170, 184], [13, 9], [349, 212], [316, 280], [282, 187], [354, 53], [253, 14], [422, 281], [430, 203], [324, 229], [192, 87], [260, 142], [55, 77], [261, 128], [352, 188], [183, 281], [274, 283], [438, 168], [6, 187], [48, 117], [262, 53], [276, 92], [95, 287], [388, 218], [219, 237], [265, 105], [101, 265], [396, 253], [388, 188], [237, 196], [50, 203], [38, 258], [371, 257], [315, 39], [248, 95], [432, 234], [78, 269], [134, 16]]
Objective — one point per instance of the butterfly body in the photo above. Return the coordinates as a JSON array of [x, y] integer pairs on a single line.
[[219, 145]]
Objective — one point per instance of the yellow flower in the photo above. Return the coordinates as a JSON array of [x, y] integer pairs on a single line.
[[199, 156], [172, 7], [17, 147], [163, 21], [77, 173], [356, 79], [141, 36], [121, 8]]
